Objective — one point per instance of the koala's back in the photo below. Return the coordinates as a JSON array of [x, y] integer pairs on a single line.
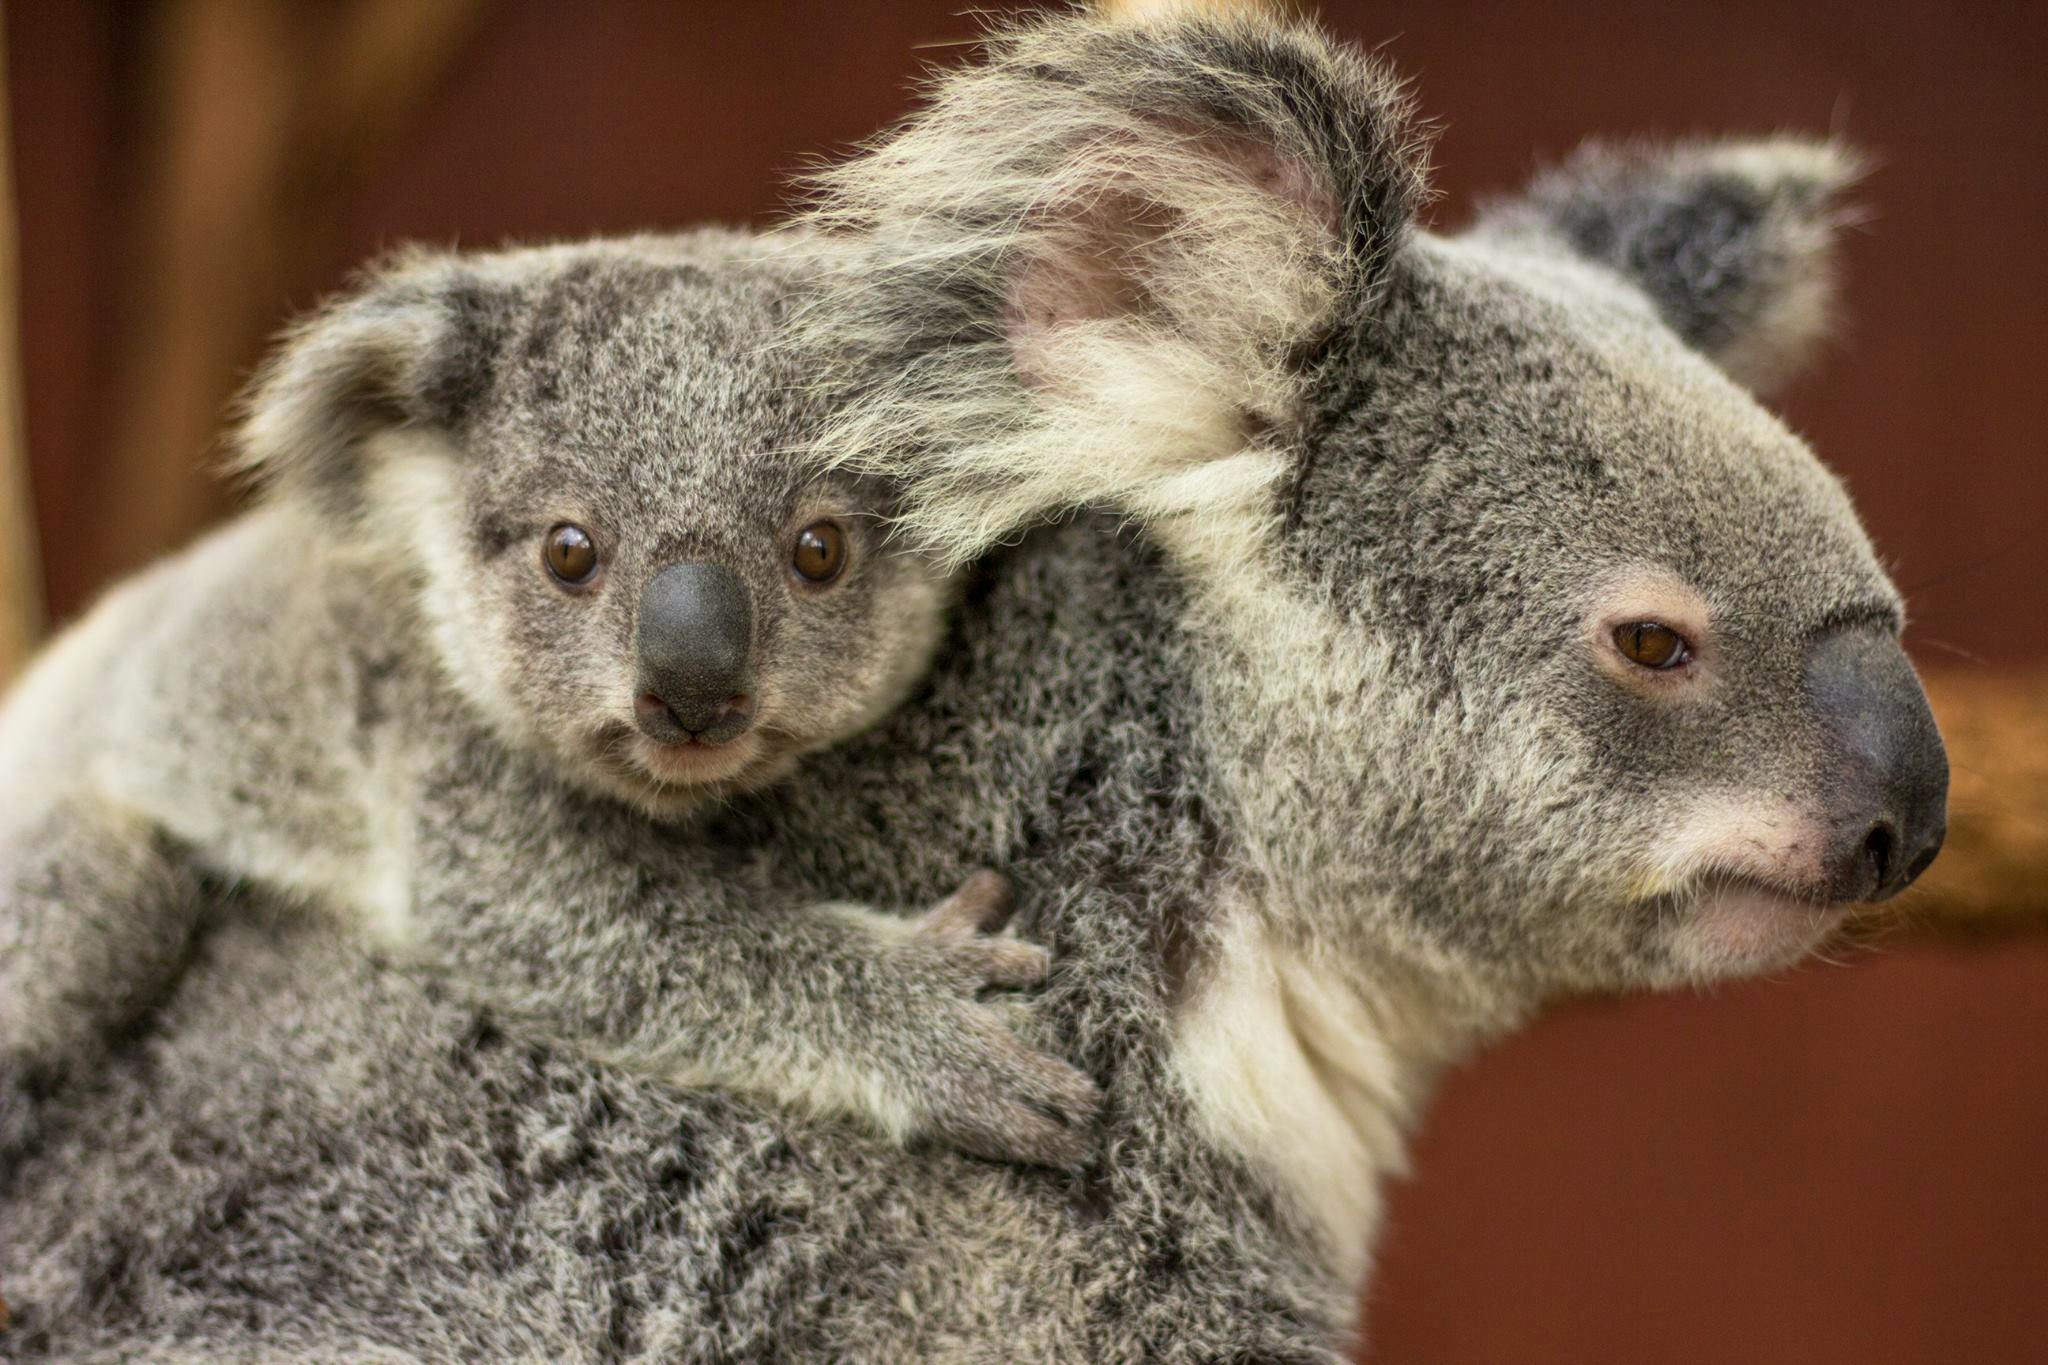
[[244, 695]]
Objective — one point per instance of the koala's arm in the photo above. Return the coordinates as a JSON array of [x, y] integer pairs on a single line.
[[198, 720], [97, 904], [97, 909], [616, 937]]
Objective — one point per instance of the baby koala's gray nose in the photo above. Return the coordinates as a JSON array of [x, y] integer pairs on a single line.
[[696, 644]]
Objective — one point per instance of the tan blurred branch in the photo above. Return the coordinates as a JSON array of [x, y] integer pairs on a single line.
[[1993, 872], [264, 115], [21, 590]]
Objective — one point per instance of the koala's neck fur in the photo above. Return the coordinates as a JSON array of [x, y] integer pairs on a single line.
[[1313, 1067], [1312, 1029]]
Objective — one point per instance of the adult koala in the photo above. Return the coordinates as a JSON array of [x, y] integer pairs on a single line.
[[1466, 635]]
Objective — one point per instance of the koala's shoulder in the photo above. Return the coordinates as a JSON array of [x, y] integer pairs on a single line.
[[278, 620]]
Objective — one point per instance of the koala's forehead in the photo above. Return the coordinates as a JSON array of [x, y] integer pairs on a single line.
[[1510, 432], [645, 383]]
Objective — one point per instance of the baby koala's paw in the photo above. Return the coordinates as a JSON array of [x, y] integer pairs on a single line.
[[976, 1083]]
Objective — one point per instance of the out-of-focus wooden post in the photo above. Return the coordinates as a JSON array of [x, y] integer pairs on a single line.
[[21, 587], [260, 116]]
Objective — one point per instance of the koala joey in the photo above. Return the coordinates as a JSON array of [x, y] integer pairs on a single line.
[[538, 576]]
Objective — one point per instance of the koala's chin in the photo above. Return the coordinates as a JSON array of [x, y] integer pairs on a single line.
[[1743, 916], [668, 780], [1736, 927]]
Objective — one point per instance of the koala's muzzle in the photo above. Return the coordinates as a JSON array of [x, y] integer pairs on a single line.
[[1886, 787], [696, 643]]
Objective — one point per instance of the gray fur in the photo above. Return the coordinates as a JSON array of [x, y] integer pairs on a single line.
[[1311, 759], [372, 696]]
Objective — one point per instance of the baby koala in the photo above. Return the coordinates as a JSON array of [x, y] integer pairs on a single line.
[[538, 576]]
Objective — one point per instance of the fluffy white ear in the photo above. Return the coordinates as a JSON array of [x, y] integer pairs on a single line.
[[406, 348], [1735, 242], [1099, 262]]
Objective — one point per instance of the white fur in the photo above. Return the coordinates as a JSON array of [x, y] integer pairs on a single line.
[[1774, 840], [414, 477], [1285, 1063], [382, 886], [1157, 277]]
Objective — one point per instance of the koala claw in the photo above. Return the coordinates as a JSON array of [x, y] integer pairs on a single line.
[[981, 904], [962, 926]]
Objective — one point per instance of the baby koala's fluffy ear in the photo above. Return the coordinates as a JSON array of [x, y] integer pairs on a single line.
[[408, 348], [1098, 260], [1735, 242]]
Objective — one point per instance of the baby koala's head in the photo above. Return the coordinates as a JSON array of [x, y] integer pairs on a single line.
[[593, 458]]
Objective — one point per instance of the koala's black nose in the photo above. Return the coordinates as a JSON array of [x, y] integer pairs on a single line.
[[1887, 780], [696, 647]]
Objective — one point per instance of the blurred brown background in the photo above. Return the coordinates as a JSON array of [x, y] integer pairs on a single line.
[[1848, 1164]]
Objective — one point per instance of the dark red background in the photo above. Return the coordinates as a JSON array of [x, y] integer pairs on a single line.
[[1843, 1165]]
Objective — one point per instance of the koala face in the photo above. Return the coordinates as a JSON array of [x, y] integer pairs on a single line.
[[1528, 640], [587, 452], [1649, 660]]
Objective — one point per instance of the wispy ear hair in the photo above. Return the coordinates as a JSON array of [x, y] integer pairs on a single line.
[[1096, 260]]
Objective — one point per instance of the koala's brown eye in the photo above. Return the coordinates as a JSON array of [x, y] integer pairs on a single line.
[[1651, 645], [820, 554], [571, 556]]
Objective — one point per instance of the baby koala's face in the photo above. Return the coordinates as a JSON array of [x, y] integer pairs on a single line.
[[629, 565], [696, 642]]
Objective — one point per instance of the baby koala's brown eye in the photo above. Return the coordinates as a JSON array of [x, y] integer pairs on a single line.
[[570, 555], [820, 554], [1651, 645]]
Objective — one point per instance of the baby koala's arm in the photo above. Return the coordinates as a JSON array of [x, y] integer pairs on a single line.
[[97, 903], [199, 727], [97, 910], [616, 937]]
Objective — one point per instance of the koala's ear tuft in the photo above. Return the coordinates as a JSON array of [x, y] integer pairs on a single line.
[[1101, 257], [408, 348], [1735, 242]]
